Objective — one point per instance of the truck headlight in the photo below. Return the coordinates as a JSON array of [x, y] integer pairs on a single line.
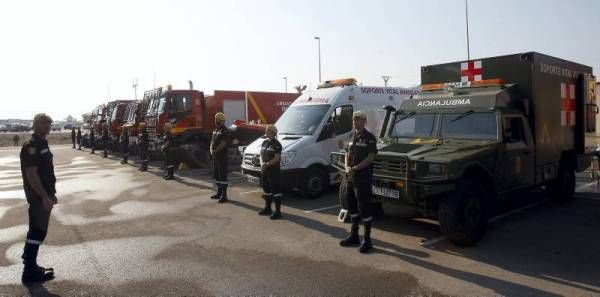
[[434, 169], [428, 170], [287, 157]]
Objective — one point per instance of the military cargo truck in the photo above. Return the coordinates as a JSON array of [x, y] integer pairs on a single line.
[[481, 130]]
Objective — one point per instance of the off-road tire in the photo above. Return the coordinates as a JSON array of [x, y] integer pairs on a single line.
[[463, 213]]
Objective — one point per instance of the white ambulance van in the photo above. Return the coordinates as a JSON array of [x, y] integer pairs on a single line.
[[316, 124]]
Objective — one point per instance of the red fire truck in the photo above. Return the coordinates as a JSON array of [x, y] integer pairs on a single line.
[[191, 115]]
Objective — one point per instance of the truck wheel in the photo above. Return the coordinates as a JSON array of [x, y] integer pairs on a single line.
[[314, 183], [463, 213], [562, 189]]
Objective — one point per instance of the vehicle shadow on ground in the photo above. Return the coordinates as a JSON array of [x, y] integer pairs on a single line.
[[548, 241], [414, 257], [335, 232]]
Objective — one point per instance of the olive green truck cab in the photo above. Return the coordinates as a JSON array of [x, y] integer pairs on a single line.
[[480, 130]]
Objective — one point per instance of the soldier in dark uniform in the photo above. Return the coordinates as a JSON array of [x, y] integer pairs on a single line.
[[218, 151], [125, 144], [92, 140], [73, 136], [105, 140], [167, 148], [143, 143], [78, 138], [359, 169], [270, 157], [37, 170]]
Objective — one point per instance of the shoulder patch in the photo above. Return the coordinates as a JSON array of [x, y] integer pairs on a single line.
[[31, 150]]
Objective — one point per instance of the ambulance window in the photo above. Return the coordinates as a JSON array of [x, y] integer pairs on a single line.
[[342, 119], [513, 130]]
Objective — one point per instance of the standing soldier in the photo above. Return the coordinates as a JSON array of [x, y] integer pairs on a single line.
[[16, 139], [73, 136], [125, 144], [359, 169], [218, 152], [39, 182], [92, 140], [105, 140], [79, 138], [270, 156], [143, 143], [167, 148]]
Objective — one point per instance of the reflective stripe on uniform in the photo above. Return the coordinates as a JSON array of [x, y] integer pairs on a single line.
[[367, 219], [354, 215], [221, 183], [36, 242], [277, 195]]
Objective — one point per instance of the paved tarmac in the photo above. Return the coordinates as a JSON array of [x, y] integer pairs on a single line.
[[119, 232]]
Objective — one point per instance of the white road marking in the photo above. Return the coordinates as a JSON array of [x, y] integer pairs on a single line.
[[588, 198], [248, 192], [578, 189], [322, 208], [496, 218], [515, 211], [432, 241]]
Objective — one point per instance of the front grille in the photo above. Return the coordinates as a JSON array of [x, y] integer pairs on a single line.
[[391, 167], [252, 160]]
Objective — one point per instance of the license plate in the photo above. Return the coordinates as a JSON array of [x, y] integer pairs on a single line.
[[253, 179], [386, 192]]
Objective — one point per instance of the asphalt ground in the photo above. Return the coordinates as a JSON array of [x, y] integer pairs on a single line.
[[119, 232]]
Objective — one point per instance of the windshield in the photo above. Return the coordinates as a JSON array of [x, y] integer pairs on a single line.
[[181, 103], [414, 125], [469, 125], [301, 119]]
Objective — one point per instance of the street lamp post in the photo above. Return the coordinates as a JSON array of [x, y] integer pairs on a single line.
[[319, 47], [386, 78], [285, 78]]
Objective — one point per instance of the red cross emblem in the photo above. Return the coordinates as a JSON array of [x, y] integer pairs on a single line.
[[567, 106], [470, 71]]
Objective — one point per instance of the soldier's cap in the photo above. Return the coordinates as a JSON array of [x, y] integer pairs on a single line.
[[271, 128], [220, 116], [359, 115], [42, 117]]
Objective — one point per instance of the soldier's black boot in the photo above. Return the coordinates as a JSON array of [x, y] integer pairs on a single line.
[[170, 173], [277, 214], [144, 166], [223, 198], [366, 244], [218, 194], [267, 211], [33, 273], [105, 154], [352, 239]]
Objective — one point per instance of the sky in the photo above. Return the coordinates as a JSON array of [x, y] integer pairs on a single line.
[[66, 57]]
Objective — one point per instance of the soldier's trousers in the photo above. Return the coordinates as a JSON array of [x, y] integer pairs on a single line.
[[38, 228], [144, 154], [220, 170], [359, 197], [271, 183]]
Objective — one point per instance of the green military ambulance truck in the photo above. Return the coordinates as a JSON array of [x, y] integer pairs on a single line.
[[480, 130]]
